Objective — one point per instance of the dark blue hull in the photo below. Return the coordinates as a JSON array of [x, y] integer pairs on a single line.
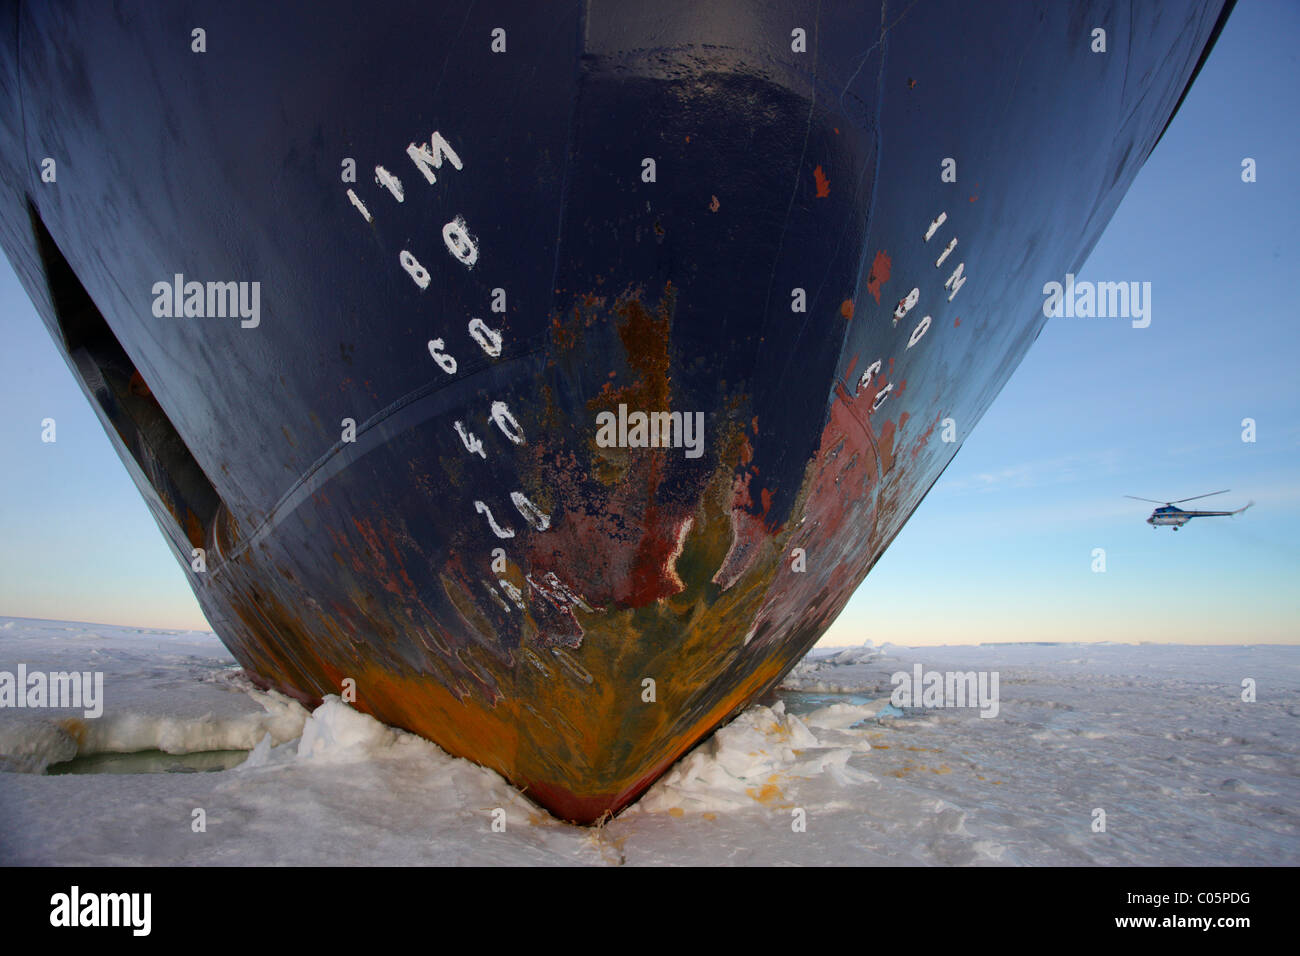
[[389, 451]]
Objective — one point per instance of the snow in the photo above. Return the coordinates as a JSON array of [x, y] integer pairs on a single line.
[[179, 692], [827, 771]]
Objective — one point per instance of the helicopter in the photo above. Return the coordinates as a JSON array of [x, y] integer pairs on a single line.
[[1170, 515]]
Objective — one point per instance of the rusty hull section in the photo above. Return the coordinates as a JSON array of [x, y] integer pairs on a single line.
[[654, 568]]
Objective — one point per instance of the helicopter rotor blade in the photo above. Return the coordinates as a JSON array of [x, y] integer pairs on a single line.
[[1194, 497], [1152, 500]]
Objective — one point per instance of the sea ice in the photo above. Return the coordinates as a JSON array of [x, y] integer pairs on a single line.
[[1156, 735]]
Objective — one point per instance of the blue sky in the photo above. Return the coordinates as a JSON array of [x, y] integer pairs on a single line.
[[1002, 549]]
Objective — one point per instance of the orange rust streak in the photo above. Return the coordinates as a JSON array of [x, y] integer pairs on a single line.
[[823, 184], [588, 808], [880, 269]]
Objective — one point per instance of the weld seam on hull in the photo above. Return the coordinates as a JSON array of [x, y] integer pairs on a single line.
[[331, 463]]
